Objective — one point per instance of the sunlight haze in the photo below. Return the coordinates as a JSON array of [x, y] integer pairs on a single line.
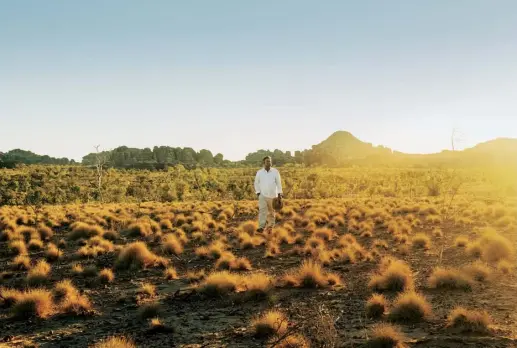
[[237, 76]]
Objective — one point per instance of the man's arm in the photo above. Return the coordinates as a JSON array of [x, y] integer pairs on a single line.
[[257, 183], [278, 181]]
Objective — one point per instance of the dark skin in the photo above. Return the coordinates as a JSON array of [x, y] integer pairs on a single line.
[[267, 167]]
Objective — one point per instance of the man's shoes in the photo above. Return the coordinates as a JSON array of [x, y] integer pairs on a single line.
[[260, 230]]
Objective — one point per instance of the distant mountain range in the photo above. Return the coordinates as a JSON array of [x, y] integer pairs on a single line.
[[340, 149]]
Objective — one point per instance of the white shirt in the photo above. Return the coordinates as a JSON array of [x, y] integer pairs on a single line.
[[268, 184]]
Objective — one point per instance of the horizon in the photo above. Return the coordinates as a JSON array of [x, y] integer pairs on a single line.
[[402, 75]]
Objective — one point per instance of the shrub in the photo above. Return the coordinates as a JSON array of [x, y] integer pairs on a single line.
[[45, 232], [106, 276], [449, 278], [386, 336], [137, 256], [139, 229], [421, 241], [76, 304], [39, 273], [410, 307], [36, 303], [115, 342], [376, 306], [249, 227], [269, 324], [64, 289], [466, 320], [394, 276], [258, 284]]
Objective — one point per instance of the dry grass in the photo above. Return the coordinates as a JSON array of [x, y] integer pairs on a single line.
[[465, 320], [171, 244], [461, 242], [478, 271], [376, 306], [53, 253], [39, 273], [421, 241], [21, 263], [386, 336], [449, 278], [505, 266], [63, 289], [18, 247], [309, 275], [35, 244], [269, 324], [220, 283], [36, 303], [106, 276], [82, 230], [137, 256], [147, 290], [294, 341], [76, 305], [396, 275], [410, 307], [170, 273], [115, 342], [258, 284], [495, 247]]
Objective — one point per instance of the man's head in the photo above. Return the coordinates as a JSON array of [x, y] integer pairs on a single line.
[[267, 162]]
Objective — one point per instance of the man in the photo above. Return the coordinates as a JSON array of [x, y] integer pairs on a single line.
[[267, 187]]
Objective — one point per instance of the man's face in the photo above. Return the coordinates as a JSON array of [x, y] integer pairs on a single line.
[[267, 163]]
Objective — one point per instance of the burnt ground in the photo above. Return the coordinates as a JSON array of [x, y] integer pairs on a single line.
[[224, 322]]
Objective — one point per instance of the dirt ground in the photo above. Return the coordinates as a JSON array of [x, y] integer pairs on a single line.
[[196, 321]]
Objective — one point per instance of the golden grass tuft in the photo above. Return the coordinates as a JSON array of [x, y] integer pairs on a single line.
[[461, 242], [39, 273], [220, 283], [478, 271], [270, 323], [171, 244], [394, 275], [376, 306], [45, 232], [18, 247], [35, 244], [81, 230], [21, 263], [449, 278], [36, 303], [386, 336], [52, 253], [258, 284], [421, 241], [310, 275], [136, 256], [505, 266], [294, 341], [115, 342], [410, 307], [249, 227], [170, 273], [64, 288], [147, 290], [494, 247], [8, 297], [465, 320], [106, 276]]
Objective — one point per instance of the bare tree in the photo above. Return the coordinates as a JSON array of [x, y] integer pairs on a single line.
[[101, 159]]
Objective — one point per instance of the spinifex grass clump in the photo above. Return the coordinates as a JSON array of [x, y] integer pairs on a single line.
[[393, 275]]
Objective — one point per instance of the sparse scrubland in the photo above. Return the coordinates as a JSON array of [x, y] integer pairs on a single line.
[[182, 265]]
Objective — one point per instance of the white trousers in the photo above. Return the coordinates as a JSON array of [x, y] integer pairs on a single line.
[[266, 212]]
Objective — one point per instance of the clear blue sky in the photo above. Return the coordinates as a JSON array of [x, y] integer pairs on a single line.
[[236, 76]]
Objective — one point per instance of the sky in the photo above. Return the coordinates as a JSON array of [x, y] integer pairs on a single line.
[[235, 76]]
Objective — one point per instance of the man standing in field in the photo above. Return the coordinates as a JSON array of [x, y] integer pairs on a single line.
[[268, 186]]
